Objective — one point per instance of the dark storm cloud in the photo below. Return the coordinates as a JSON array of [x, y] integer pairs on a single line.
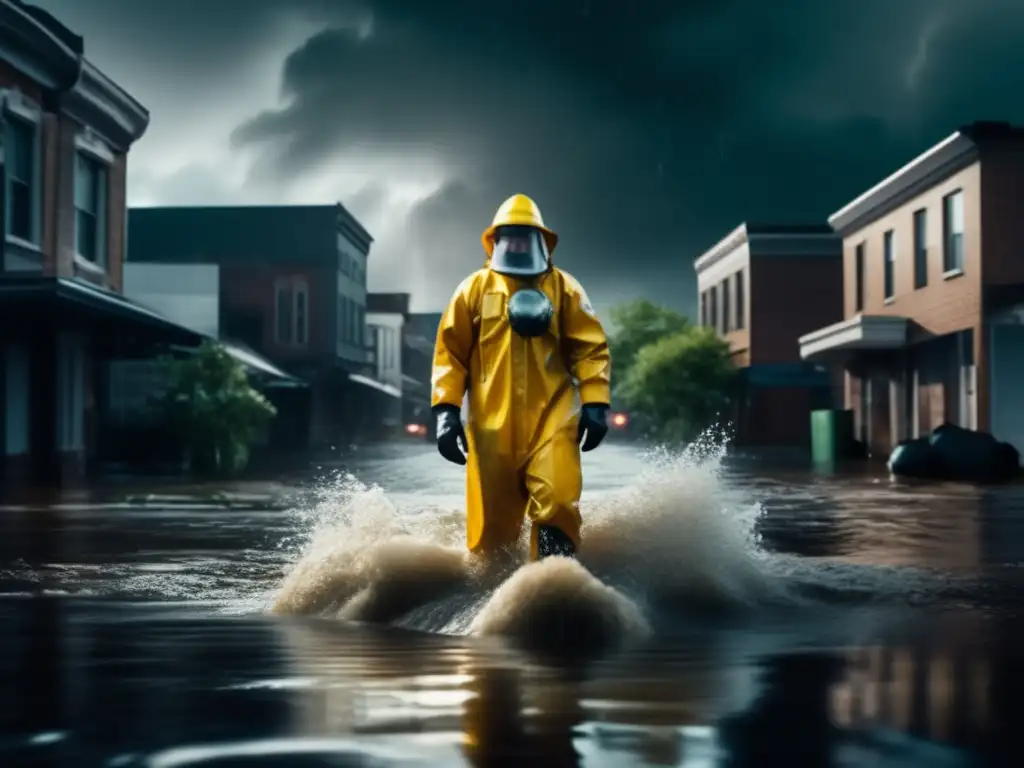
[[645, 133], [184, 37]]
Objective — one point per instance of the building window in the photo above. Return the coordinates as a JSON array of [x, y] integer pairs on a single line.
[[741, 300], [702, 299], [21, 163], [301, 296], [858, 268], [889, 257], [91, 209], [713, 311], [291, 307], [726, 316], [953, 232], [920, 248]]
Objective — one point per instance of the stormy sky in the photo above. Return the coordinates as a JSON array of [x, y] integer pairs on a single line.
[[645, 131]]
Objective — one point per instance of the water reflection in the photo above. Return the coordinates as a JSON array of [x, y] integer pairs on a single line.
[[788, 724], [86, 686], [81, 688], [502, 726]]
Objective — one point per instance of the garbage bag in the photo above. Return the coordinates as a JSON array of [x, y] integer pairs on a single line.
[[913, 458], [963, 454], [1008, 462]]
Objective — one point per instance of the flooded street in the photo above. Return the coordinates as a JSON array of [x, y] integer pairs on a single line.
[[811, 620]]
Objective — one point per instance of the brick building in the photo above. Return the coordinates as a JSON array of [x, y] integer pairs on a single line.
[[66, 130], [934, 293], [293, 289], [762, 287]]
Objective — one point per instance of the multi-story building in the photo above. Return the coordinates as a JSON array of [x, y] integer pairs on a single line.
[[419, 334], [934, 293], [762, 287], [385, 319], [292, 288], [66, 132]]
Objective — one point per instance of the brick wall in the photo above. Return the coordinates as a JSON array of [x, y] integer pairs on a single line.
[[791, 296], [250, 290], [117, 195], [944, 305], [57, 144]]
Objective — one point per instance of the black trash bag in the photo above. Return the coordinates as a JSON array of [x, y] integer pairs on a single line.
[[1008, 462], [965, 455], [913, 458]]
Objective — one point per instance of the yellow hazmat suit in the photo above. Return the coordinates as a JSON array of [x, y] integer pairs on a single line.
[[522, 428]]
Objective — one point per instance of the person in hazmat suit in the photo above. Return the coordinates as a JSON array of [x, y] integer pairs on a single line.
[[522, 339]]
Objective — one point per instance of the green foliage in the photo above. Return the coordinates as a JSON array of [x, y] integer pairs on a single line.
[[208, 403], [638, 323], [678, 382]]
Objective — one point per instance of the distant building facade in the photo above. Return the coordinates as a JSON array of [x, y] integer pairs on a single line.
[[762, 287], [67, 130], [933, 305], [419, 334], [385, 321], [292, 288]]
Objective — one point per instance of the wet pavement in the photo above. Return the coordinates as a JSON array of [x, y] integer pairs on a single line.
[[134, 631]]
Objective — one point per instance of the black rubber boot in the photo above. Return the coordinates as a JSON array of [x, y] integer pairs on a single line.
[[552, 541]]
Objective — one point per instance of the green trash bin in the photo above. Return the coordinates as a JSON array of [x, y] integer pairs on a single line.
[[831, 435]]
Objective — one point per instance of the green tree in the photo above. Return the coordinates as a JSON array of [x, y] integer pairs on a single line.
[[636, 324], [208, 403], [679, 384]]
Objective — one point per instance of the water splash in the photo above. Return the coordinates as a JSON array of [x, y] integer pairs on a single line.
[[674, 539]]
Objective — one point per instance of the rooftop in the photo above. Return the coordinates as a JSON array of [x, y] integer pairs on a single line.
[[388, 303], [50, 54], [241, 234], [785, 239], [940, 161]]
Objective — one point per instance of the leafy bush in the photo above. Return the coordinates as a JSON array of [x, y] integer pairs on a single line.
[[208, 403], [676, 377]]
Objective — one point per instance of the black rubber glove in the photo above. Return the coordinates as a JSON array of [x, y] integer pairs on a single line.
[[451, 437], [593, 422]]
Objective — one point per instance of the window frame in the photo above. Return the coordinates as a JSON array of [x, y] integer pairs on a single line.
[[953, 265], [300, 289], [740, 289], [290, 289], [16, 106], [920, 224], [713, 310], [889, 265], [859, 277], [90, 149], [726, 288]]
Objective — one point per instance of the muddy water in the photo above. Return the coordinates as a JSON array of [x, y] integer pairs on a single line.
[[793, 617]]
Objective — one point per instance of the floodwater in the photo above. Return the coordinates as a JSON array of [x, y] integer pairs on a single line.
[[748, 615]]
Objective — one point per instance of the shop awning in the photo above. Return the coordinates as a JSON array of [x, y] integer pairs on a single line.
[[261, 367], [75, 302], [786, 375], [857, 334], [380, 386]]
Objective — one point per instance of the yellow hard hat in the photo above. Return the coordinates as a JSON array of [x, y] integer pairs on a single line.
[[522, 211]]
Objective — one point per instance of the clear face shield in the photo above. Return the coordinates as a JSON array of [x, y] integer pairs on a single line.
[[519, 251]]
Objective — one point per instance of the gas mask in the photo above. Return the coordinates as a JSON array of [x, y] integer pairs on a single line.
[[519, 251]]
